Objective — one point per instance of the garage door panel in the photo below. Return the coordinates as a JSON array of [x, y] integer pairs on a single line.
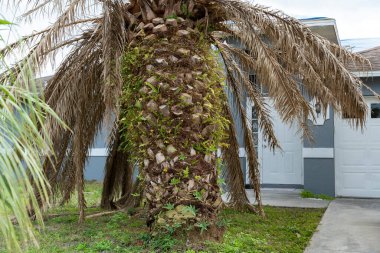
[[374, 181], [360, 193], [345, 129], [373, 157], [357, 158], [352, 144], [354, 169], [353, 157], [353, 180], [361, 181], [373, 131]]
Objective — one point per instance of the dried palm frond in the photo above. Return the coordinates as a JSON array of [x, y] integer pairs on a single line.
[[233, 172], [244, 61], [114, 38], [118, 174], [294, 51], [253, 164]]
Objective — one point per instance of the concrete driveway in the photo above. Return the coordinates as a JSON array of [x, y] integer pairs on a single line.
[[350, 226], [286, 198]]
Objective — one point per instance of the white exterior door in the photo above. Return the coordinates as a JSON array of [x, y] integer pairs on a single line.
[[357, 155], [284, 166]]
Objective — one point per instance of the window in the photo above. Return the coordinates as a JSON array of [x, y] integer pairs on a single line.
[[375, 111], [257, 85], [255, 129]]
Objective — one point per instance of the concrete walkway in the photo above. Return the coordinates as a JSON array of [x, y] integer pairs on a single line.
[[349, 226], [287, 198]]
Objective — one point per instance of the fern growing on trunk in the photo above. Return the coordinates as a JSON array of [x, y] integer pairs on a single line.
[[172, 122]]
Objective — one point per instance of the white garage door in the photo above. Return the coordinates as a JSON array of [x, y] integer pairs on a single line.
[[357, 156]]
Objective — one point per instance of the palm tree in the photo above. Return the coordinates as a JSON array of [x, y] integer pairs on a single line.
[[152, 70], [22, 142]]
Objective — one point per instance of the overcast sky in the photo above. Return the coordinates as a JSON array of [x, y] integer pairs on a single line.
[[355, 18]]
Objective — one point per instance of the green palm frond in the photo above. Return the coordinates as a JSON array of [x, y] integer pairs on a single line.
[[23, 146]]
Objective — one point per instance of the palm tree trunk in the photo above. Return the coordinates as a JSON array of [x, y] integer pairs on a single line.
[[172, 122]]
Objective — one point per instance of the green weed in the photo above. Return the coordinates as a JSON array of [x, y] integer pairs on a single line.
[[310, 195]]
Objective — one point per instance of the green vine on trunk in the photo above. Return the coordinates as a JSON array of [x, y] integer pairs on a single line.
[[148, 133]]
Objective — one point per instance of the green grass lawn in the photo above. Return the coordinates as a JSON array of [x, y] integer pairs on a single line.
[[284, 230]]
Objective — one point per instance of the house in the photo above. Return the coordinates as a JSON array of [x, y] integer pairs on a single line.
[[340, 162]]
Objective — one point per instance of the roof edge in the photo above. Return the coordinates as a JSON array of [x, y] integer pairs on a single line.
[[375, 73], [322, 21]]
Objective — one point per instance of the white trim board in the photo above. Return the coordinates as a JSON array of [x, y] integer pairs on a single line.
[[318, 152], [318, 22], [367, 74], [242, 152], [98, 152]]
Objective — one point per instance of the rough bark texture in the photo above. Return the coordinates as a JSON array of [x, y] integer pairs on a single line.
[[172, 122]]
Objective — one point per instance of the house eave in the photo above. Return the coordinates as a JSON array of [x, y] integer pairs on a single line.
[[318, 22], [323, 22], [367, 73]]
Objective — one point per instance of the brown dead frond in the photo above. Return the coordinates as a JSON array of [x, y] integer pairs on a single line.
[[114, 40], [244, 61], [286, 49], [253, 164], [233, 172], [118, 174]]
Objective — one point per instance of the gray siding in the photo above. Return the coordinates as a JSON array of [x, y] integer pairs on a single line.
[[236, 115], [101, 138], [323, 136], [95, 168], [374, 83], [243, 164], [319, 176], [238, 124]]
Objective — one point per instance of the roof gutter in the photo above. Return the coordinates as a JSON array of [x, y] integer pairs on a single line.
[[367, 73]]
